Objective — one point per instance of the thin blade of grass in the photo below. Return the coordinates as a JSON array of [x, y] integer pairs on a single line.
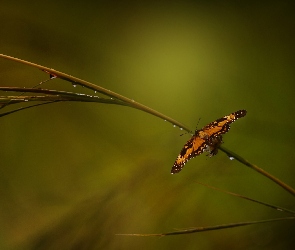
[[259, 170], [131, 103], [23, 108], [250, 199], [217, 227], [76, 81], [53, 95]]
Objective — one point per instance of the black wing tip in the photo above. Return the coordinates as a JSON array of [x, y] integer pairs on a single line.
[[242, 112], [175, 170]]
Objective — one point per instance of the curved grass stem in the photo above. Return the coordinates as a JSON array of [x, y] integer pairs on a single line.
[[211, 228], [77, 81], [122, 100], [259, 170]]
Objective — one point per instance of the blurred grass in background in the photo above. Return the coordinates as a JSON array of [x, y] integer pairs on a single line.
[[74, 175]]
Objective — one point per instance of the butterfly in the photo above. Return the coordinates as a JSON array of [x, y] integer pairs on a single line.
[[206, 139]]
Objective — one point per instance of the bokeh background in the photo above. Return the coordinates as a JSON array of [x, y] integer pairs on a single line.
[[73, 175]]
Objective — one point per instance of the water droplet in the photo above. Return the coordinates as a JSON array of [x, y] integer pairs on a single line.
[[174, 125], [181, 128], [26, 100], [231, 158], [94, 91], [74, 85], [165, 120]]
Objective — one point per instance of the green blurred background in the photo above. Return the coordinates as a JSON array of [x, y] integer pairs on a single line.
[[73, 175]]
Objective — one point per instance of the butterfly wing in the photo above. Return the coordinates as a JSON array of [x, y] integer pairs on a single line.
[[193, 147], [207, 139], [222, 125]]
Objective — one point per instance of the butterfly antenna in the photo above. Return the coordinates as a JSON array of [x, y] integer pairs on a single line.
[[191, 132], [198, 123]]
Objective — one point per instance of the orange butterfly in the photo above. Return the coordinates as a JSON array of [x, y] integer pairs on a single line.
[[206, 139]]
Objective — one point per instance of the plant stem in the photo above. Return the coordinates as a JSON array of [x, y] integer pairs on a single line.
[[259, 170], [131, 103], [77, 81], [210, 228]]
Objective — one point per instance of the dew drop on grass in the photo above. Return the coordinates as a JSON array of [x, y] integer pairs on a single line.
[[74, 85], [174, 125], [231, 158]]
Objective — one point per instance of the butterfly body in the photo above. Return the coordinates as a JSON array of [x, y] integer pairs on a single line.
[[206, 139]]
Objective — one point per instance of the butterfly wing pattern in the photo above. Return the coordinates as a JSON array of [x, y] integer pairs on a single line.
[[206, 139]]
